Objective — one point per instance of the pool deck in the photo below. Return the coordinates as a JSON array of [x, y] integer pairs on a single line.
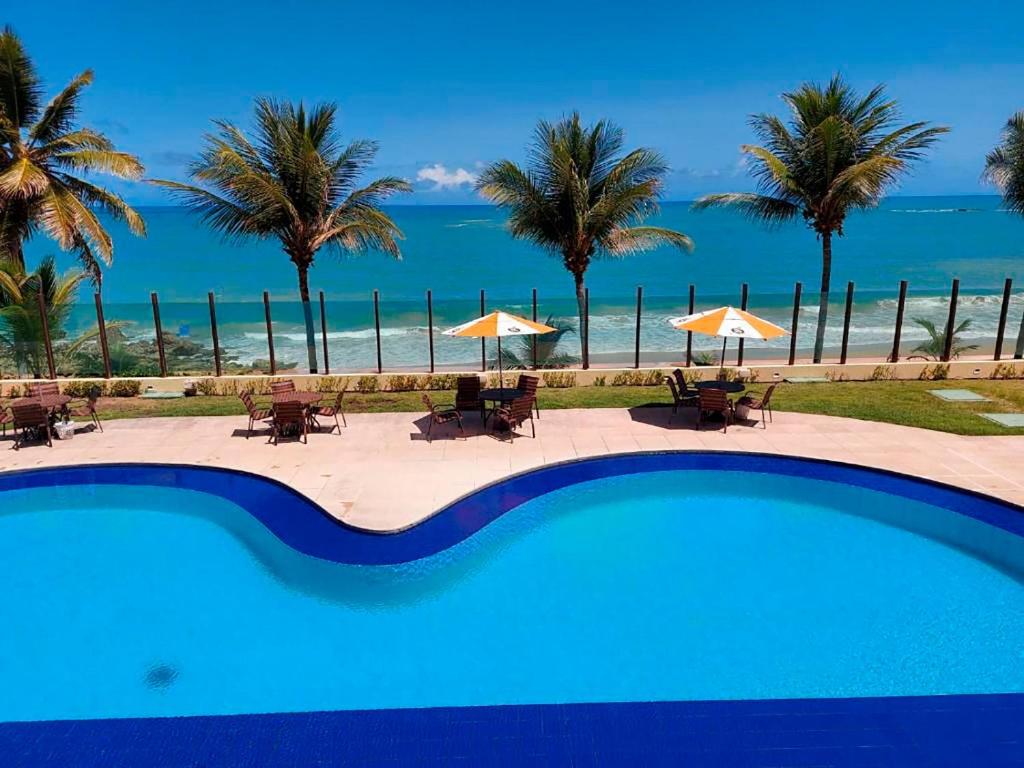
[[382, 474]]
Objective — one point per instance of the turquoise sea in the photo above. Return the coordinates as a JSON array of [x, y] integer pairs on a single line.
[[458, 250]]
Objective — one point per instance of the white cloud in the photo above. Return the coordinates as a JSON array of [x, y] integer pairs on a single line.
[[443, 178]]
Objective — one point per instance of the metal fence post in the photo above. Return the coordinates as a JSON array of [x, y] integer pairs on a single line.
[[689, 334], [533, 338], [586, 328], [159, 333], [1004, 311], [797, 290], [483, 342], [323, 332], [47, 343], [215, 335], [376, 327], [430, 327], [270, 332], [846, 322], [639, 309], [744, 291], [104, 348], [900, 307], [954, 295]]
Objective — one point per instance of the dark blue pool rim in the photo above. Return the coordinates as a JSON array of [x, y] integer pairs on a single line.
[[307, 527], [310, 529]]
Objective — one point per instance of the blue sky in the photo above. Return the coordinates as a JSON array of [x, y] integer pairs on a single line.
[[445, 87]]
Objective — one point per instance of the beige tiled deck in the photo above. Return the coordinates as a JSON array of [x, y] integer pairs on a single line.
[[380, 473]]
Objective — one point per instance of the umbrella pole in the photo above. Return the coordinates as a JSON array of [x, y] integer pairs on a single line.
[[721, 366]]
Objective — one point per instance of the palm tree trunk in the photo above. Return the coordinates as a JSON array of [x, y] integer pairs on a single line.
[[581, 304], [826, 279], [307, 314]]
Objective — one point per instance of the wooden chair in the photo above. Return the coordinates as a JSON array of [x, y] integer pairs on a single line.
[[762, 404], [442, 414], [528, 386], [467, 395], [285, 416], [277, 387], [86, 409], [5, 419], [714, 401], [678, 400], [514, 415], [30, 418], [255, 414], [41, 388], [685, 390], [334, 409]]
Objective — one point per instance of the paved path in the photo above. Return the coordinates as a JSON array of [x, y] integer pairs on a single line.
[[381, 473]]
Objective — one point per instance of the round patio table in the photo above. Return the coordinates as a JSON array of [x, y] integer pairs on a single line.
[[500, 394], [731, 387], [49, 402], [306, 398]]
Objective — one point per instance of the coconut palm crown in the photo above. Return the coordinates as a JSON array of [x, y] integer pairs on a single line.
[[581, 197], [294, 180], [1004, 165], [840, 152], [46, 161]]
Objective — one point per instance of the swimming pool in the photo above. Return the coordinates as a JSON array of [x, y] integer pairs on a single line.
[[139, 591]]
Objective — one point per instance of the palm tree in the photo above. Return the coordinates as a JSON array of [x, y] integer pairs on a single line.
[[21, 328], [292, 180], [935, 347], [840, 153], [1004, 167], [45, 160], [549, 355], [581, 198]]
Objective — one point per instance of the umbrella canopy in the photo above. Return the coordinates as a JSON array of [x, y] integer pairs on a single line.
[[728, 322], [496, 325]]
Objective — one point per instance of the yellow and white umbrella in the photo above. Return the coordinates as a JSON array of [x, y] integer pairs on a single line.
[[496, 325], [728, 322]]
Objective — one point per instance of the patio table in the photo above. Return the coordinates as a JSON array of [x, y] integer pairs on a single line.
[[307, 399], [732, 387]]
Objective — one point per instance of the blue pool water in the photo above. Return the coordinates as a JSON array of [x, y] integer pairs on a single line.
[[140, 600]]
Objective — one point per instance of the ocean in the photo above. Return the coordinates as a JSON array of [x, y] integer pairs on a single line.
[[455, 251]]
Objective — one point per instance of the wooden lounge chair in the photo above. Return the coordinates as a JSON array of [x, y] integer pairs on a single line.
[[762, 404], [28, 419], [442, 414], [277, 387], [467, 395], [86, 409], [528, 386], [714, 401], [255, 414], [678, 400], [514, 415], [288, 417], [334, 409]]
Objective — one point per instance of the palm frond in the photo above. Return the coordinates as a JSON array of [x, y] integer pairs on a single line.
[[757, 207], [21, 92], [60, 114]]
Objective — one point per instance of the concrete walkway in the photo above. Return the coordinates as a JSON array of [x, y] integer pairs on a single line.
[[381, 473]]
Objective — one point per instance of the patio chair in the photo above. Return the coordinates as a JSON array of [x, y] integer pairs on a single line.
[[285, 416], [685, 390], [277, 387], [442, 414], [42, 388], [86, 409], [514, 415], [467, 395], [714, 401], [679, 400], [5, 419], [28, 419], [528, 386], [255, 414], [762, 404], [334, 409]]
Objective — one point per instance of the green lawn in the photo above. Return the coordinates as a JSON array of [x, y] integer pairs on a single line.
[[896, 402]]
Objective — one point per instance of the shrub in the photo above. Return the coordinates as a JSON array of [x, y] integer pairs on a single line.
[[332, 384], [834, 375], [81, 388], [228, 387], [650, 378], [439, 381], [367, 384], [937, 373], [599, 381], [124, 388], [402, 383], [207, 387], [559, 379], [14, 391], [1004, 371], [883, 373]]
